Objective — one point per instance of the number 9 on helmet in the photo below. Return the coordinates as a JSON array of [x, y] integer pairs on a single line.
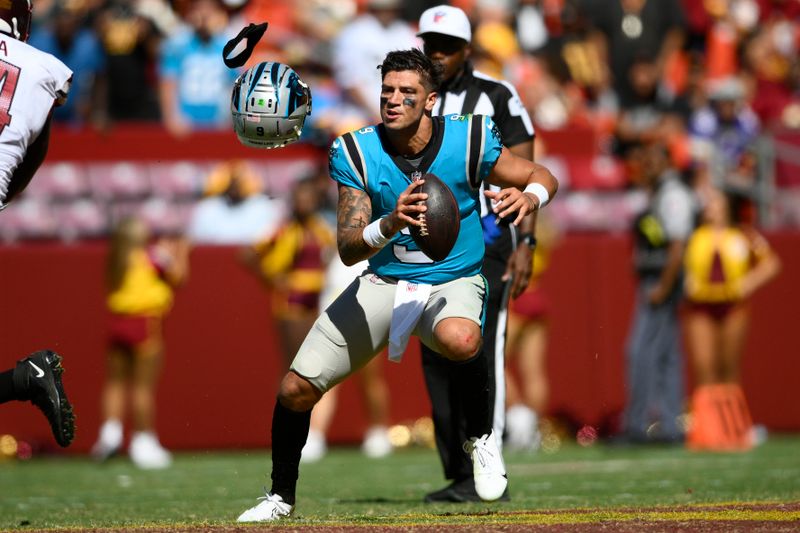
[[269, 105]]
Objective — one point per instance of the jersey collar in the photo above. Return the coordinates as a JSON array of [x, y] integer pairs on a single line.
[[429, 153]]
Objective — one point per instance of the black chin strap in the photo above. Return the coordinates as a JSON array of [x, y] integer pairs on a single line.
[[253, 34]]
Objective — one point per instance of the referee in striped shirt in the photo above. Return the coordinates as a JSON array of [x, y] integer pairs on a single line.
[[446, 34]]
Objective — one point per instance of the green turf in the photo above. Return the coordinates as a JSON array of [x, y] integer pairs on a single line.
[[213, 488]]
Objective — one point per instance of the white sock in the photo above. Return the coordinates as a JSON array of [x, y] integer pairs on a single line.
[[111, 433], [147, 435], [522, 426], [317, 437]]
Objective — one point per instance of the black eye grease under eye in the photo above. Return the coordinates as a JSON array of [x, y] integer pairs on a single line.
[[410, 102]]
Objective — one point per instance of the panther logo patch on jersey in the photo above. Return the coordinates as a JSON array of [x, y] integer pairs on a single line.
[[496, 132], [332, 151]]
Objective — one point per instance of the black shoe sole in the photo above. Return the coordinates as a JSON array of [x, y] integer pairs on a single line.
[[451, 495], [451, 498], [62, 421], [464, 499]]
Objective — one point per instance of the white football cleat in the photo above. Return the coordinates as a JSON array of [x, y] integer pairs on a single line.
[[315, 447], [147, 453], [272, 507], [376, 443], [488, 468]]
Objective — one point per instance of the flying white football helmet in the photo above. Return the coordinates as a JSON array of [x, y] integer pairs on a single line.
[[269, 105]]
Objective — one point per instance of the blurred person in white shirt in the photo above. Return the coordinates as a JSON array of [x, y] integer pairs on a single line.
[[235, 211], [361, 47]]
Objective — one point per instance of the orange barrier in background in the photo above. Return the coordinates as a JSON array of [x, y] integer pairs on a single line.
[[222, 363]]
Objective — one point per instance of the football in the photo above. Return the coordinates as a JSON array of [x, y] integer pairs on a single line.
[[441, 222]]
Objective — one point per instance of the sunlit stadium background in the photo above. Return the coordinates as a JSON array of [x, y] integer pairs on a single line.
[[116, 152]]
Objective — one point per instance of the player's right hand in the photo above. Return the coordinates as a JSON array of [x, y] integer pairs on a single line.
[[409, 206]]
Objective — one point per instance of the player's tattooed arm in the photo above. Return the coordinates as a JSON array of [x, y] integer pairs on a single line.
[[353, 213]]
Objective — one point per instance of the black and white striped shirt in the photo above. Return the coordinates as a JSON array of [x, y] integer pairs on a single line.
[[473, 92]]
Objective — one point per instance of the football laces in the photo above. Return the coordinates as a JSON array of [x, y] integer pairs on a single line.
[[423, 228]]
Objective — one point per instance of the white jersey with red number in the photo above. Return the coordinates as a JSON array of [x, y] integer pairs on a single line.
[[31, 82]]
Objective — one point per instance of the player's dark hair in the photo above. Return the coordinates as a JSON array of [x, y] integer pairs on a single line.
[[430, 72]]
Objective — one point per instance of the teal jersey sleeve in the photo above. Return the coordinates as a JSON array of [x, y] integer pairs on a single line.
[[345, 164], [493, 145]]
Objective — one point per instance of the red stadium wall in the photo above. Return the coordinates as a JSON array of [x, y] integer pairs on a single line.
[[222, 363]]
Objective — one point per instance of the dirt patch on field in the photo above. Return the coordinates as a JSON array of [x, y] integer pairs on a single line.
[[744, 518], [693, 526]]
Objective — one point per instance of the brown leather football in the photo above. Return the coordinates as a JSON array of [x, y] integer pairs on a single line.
[[437, 236]]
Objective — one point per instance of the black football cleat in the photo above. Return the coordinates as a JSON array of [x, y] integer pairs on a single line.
[[38, 377], [460, 491]]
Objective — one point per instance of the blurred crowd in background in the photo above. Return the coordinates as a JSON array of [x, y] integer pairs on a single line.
[[715, 81], [595, 62], [623, 94]]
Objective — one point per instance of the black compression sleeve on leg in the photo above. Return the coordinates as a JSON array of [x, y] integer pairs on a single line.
[[289, 434], [7, 386], [472, 378]]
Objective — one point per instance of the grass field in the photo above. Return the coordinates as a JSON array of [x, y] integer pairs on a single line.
[[595, 485]]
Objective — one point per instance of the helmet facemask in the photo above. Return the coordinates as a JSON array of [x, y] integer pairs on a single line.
[[269, 105]]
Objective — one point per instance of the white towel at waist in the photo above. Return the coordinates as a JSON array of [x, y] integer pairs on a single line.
[[410, 300]]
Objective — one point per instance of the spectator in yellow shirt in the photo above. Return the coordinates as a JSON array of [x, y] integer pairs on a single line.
[[141, 279], [725, 263], [292, 261]]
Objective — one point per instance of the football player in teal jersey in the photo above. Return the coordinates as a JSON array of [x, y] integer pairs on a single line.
[[404, 292]]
